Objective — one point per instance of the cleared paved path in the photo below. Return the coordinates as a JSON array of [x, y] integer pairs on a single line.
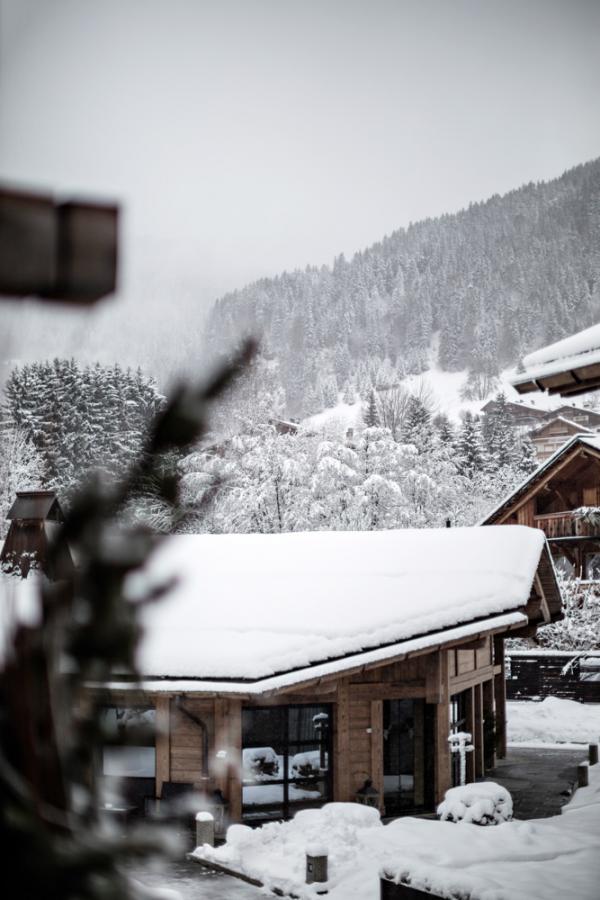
[[540, 781]]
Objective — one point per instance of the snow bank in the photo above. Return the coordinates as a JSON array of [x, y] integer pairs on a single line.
[[545, 859], [480, 803], [552, 721], [253, 605]]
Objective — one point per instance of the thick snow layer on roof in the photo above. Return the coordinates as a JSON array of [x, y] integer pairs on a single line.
[[320, 670], [557, 366], [251, 606], [583, 342]]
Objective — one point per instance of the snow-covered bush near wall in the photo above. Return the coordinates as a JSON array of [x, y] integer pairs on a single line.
[[481, 803]]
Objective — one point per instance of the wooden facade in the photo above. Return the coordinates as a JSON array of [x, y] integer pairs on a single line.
[[552, 435], [429, 684], [550, 500]]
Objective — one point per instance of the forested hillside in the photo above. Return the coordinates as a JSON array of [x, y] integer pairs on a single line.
[[494, 281]]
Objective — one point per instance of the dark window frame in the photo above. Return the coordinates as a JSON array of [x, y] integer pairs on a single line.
[[278, 810]]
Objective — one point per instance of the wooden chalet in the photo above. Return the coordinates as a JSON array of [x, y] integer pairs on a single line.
[[555, 498], [551, 436], [33, 517], [285, 671]]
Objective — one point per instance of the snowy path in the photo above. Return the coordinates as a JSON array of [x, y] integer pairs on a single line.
[[193, 882]]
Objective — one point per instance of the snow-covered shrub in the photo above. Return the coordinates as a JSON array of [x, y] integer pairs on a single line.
[[482, 803], [306, 765], [260, 763]]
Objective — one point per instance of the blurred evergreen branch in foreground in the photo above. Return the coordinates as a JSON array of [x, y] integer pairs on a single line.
[[51, 732]]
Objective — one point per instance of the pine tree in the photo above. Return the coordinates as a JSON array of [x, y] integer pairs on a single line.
[[371, 415]]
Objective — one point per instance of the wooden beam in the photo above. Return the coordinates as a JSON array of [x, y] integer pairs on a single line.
[[471, 728], [487, 689], [218, 767], [387, 690], [341, 771], [478, 735], [500, 698], [234, 760], [377, 749], [479, 644], [462, 682], [442, 773], [162, 744]]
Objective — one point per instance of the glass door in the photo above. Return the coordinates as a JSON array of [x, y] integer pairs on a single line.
[[407, 744]]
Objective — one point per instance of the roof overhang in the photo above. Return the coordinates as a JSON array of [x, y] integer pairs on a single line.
[[327, 671]]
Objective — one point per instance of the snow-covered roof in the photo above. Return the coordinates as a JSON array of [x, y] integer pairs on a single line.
[[252, 608], [582, 342], [592, 441], [581, 428], [566, 367]]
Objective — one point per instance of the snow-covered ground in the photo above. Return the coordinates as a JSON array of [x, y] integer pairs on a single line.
[[552, 722], [549, 858]]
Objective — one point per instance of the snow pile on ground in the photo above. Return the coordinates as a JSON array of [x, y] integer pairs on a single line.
[[544, 859], [480, 803], [252, 605], [275, 854], [552, 721]]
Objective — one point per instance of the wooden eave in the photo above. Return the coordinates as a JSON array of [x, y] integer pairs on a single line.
[[578, 379], [321, 682]]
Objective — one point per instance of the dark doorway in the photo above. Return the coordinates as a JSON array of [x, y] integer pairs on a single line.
[[407, 756]]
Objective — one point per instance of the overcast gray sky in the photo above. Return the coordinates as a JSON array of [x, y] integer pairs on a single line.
[[255, 135]]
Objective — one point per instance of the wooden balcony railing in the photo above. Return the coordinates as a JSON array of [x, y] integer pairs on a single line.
[[565, 524]]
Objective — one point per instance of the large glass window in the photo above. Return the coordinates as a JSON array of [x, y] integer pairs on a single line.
[[286, 754], [137, 759]]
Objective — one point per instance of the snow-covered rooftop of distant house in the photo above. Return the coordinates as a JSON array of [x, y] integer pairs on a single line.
[[591, 440], [582, 428], [253, 606]]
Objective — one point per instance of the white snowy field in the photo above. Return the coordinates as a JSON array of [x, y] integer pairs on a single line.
[[553, 722], [549, 858]]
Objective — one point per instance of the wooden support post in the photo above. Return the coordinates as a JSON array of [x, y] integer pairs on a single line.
[[500, 697], [442, 769], [471, 728], [218, 767], [341, 771], [234, 791], [377, 749], [162, 744], [488, 719], [478, 735]]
